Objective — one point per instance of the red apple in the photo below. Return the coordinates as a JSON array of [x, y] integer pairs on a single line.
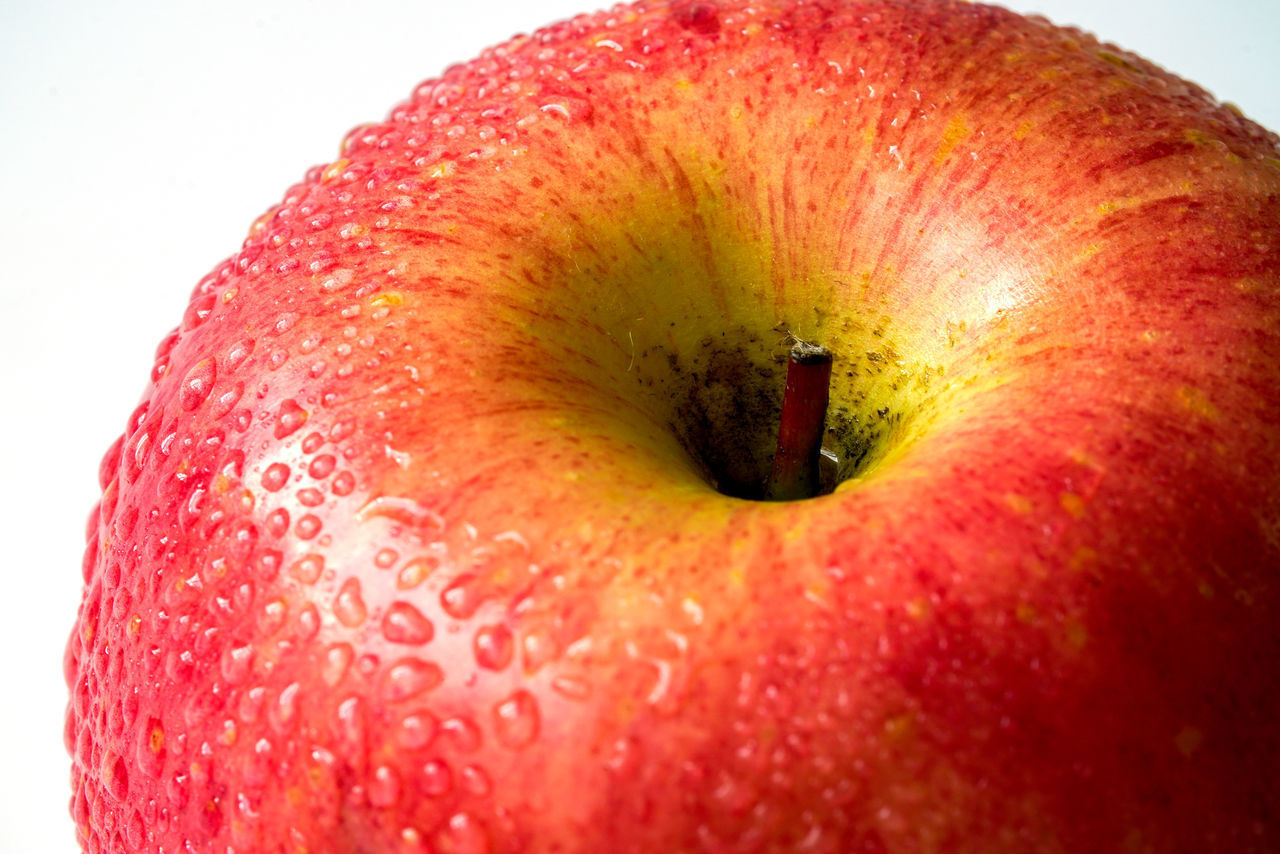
[[437, 531]]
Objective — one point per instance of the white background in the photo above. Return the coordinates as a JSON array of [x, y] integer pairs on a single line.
[[138, 140]]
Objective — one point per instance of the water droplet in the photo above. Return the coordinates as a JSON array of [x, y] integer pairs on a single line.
[[134, 831], [405, 624], [411, 841], [385, 558], [237, 354], [538, 646], [278, 522], [308, 622], [462, 598], [475, 781], [352, 731], [177, 790], [410, 677], [284, 712], [242, 540], [198, 311], [337, 660], [463, 734], [225, 402], [493, 647], [244, 259], [285, 322], [290, 419], [136, 421], [436, 779], [269, 564], [322, 466], [344, 483], [307, 569], [342, 429], [275, 477], [308, 526], [279, 236], [417, 730], [260, 764], [179, 665], [463, 834], [138, 447], [320, 222], [115, 776], [416, 571], [237, 664], [384, 787], [197, 385], [348, 606], [310, 497], [249, 709], [312, 443], [516, 720], [272, 619], [189, 511]]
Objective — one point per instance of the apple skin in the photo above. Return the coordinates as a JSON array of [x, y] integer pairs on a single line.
[[411, 544]]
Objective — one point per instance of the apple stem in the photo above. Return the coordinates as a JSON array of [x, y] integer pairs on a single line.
[[804, 418]]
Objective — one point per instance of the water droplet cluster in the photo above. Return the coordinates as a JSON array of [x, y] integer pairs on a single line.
[[231, 659]]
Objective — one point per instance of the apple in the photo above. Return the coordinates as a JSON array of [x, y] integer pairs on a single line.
[[441, 524]]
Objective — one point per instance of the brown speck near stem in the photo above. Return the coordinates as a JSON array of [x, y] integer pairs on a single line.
[[804, 417]]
